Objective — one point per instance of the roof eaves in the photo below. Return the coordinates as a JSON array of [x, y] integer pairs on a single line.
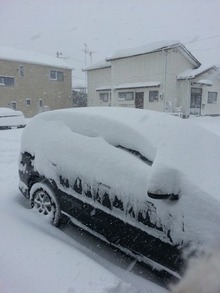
[[164, 48], [96, 68], [197, 63], [147, 52], [48, 64], [206, 70], [195, 75], [99, 65]]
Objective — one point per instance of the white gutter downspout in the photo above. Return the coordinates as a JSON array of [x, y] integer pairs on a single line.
[[188, 98], [164, 79]]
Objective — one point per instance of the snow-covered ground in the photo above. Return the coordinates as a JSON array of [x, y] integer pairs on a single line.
[[36, 257]]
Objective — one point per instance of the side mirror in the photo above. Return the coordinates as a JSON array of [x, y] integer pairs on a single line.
[[163, 196]]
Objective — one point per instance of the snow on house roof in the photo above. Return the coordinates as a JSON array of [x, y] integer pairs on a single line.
[[12, 54], [103, 88], [154, 47], [137, 85], [99, 65], [193, 73], [204, 82]]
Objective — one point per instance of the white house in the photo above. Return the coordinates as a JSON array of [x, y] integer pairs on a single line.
[[162, 76]]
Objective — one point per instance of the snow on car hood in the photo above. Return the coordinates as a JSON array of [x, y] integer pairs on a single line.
[[180, 150]]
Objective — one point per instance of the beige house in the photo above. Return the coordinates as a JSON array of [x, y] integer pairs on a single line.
[[33, 83], [161, 76]]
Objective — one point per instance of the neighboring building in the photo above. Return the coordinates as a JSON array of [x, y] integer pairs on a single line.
[[79, 96], [33, 83], [161, 76]]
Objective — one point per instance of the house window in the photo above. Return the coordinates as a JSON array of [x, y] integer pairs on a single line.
[[28, 102], [56, 75], [128, 96], [212, 97], [13, 105], [153, 96], [104, 97], [21, 70], [7, 81], [40, 103]]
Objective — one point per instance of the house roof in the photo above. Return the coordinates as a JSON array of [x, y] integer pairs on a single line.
[[206, 82], [134, 85], [99, 65], [103, 88], [12, 54], [152, 48], [193, 73]]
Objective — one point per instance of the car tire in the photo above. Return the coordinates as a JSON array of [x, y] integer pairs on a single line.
[[43, 199]]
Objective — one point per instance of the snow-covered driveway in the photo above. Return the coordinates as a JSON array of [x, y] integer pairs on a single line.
[[36, 257]]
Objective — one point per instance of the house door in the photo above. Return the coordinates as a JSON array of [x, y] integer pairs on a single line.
[[196, 101], [139, 100]]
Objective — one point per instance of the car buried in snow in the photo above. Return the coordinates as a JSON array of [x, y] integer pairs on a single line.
[[146, 182], [10, 118]]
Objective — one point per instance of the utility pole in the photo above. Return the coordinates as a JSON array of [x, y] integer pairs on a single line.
[[87, 51]]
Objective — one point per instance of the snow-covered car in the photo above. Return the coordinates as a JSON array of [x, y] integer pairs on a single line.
[[10, 118], [146, 182]]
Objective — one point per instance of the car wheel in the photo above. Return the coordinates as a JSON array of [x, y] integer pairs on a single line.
[[45, 202]]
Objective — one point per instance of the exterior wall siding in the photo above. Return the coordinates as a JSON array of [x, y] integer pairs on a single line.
[[98, 78], [159, 66], [35, 85]]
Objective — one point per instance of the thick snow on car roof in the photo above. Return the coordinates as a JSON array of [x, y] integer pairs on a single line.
[[178, 148], [11, 118]]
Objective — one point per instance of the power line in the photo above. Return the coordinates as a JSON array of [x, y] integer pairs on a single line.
[[205, 49], [208, 38]]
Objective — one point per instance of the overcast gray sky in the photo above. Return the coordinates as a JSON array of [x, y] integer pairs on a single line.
[[48, 26]]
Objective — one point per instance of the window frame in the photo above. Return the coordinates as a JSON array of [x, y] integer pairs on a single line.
[[14, 105], [56, 75], [212, 99], [125, 98], [4, 78], [40, 103], [21, 70], [155, 98], [103, 99], [28, 102]]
